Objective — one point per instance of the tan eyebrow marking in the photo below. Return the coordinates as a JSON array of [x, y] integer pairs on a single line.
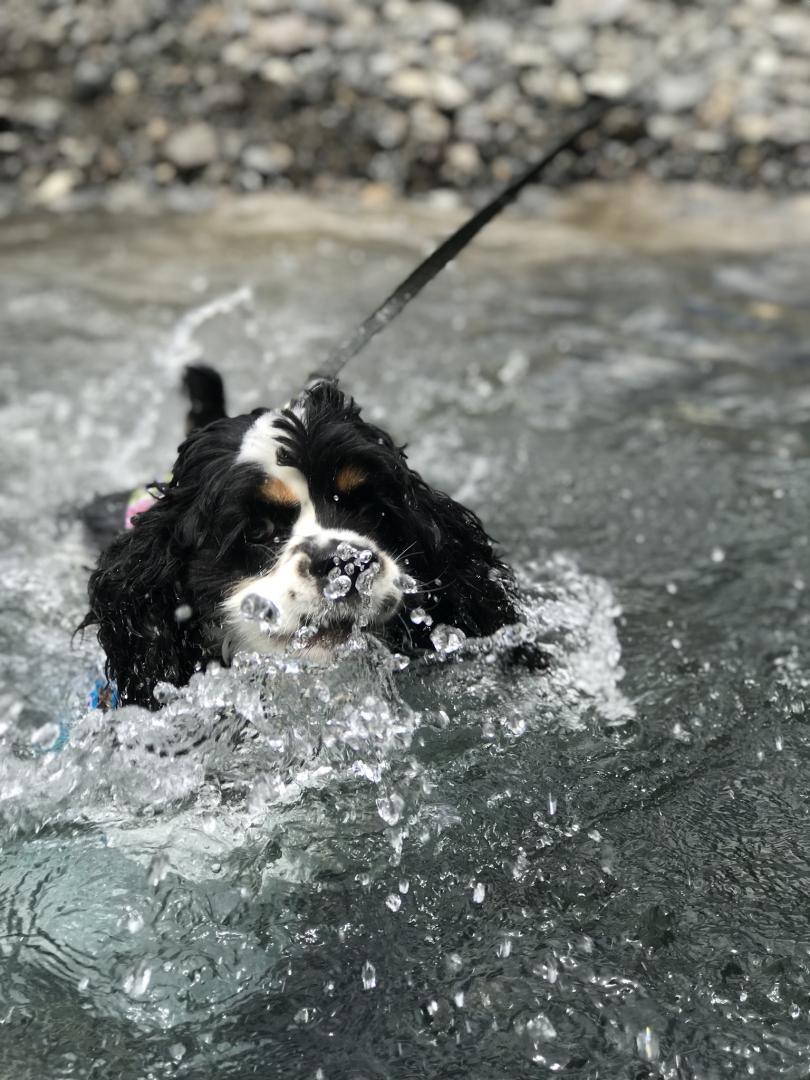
[[275, 490], [350, 477]]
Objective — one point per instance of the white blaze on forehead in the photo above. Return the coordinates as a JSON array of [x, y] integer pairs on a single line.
[[260, 446]]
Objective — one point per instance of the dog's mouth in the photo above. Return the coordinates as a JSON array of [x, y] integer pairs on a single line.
[[341, 621], [329, 635], [355, 596]]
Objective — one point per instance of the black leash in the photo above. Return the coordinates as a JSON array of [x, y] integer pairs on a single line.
[[446, 252]]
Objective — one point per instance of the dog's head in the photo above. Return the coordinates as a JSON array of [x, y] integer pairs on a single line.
[[284, 531]]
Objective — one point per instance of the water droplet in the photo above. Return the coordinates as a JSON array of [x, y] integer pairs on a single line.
[[183, 613], [540, 1028], [419, 616], [390, 808], [164, 692], [552, 805], [505, 947], [407, 583], [404, 885], [177, 1051], [135, 923], [346, 551], [47, 735], [458, 999], [256, 608], [672, 588], [157, 870], [303, 635], [337, 587], [647, 1044], [369, 976], [364, 556], [453, 963], [718, 555], [479, 892], [365, 580], [349, 568], [136, 981], [447, 639], [399, 662], [393, 901]]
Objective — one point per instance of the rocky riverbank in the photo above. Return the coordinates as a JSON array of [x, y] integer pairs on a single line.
[[123, 100]]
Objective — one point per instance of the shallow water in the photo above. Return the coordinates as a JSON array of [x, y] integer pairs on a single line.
[[444, 871]]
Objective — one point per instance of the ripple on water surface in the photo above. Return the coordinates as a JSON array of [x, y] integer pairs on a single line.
[[458, 868]]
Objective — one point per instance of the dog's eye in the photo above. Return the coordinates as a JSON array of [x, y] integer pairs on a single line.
[[269, 524], [260, 532]]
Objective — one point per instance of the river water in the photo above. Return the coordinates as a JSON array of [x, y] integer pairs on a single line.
[[446, 871]]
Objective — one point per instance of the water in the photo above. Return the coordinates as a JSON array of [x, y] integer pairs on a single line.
[[447, 869]]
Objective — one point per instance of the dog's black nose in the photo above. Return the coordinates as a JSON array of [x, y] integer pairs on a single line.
[[333, 559], [323, 560]]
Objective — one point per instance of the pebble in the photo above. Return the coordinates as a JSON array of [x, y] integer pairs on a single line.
[[428, 124], [192, 147], [56, 186], [268, 160], [608, 84], [442, 90], [287, 34], [679, 93], [463, 159], [415, 95]]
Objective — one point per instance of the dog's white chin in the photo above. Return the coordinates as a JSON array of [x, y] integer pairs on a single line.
[[319, 644]]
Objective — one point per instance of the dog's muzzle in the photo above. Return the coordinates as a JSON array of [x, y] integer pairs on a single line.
[[343, 572], [324, 585]]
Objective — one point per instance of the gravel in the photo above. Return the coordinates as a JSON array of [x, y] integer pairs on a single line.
[[402, 96]]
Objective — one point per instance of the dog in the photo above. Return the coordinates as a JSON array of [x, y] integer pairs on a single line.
[[292, 529], [286, 531]]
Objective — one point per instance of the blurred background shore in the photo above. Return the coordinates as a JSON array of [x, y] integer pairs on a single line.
[[133, 102]]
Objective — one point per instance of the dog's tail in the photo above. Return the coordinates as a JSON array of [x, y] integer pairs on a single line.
[[206, 396]]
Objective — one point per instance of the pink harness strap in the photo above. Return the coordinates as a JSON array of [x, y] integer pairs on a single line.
[[140, 500]]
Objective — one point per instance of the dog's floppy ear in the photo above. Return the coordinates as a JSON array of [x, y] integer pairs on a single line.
[[465, 584], [136, 600]]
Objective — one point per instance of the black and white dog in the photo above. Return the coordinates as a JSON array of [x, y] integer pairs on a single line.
[[285, 530], [288, 529]]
